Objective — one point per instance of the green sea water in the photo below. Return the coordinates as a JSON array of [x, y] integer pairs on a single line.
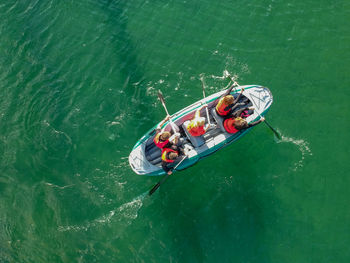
[[78, 88]]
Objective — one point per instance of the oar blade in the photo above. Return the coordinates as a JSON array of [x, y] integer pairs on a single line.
[[274, 131], [160, 96]]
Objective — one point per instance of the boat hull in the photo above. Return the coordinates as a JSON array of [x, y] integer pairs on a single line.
[[144, 158]]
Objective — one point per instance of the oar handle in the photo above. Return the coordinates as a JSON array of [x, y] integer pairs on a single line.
[[180, 162], [206, 109]]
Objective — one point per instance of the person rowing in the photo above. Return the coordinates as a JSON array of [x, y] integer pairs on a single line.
[[196, 125], [170, 157], [164, 138], [227, 103], [237, 121]]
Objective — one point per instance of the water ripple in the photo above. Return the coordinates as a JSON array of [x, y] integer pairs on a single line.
[[303, 147], [125, 214]]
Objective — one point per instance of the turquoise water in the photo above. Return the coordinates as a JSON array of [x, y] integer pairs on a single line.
[[78, 84]]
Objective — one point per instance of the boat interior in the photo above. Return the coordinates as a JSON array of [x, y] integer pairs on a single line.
[[153, 153]]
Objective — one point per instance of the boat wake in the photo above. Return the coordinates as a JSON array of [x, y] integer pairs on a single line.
[[303, 147], [125, 214]]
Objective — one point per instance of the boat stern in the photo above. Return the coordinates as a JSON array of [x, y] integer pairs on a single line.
[[139, 163]]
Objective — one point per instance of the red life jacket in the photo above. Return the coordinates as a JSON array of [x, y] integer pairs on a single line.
[[165, 152], [158, 142], [195, 130], [228, 125], [220, 107]]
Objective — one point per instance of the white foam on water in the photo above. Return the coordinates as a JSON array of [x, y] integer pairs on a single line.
[[57, 186], [125, 213], [303, 147], [224, 75], [217, 86]]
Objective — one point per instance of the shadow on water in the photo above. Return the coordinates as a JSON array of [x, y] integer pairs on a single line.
[[63, 103], [117, 12], [130, 67], [60, 95], [227, 225]]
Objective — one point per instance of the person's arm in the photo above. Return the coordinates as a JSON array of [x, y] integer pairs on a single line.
[[235, 106], [238, 97], [198, 112], [166, 168], [228, 91], [177, 148], [159, 127], [255, 122], [239, 112]]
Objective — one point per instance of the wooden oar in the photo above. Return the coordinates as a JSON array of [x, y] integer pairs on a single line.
[[274, 131], [165, 177], [161, 98], [206, 108]]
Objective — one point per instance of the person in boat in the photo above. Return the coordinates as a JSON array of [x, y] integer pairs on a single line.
[[164, 138], [196, 126], [170, 157], [237, 121], [227, 103], [161, 139]]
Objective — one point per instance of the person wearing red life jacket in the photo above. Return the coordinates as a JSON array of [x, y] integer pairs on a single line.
[[237, 122], [170, 157], [227, 103], [161, 139], [196, 126]]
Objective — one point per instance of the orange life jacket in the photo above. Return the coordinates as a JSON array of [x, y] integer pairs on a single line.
[[195, 130], [228, 125], [221, 106], [165, 152], [158, 142]]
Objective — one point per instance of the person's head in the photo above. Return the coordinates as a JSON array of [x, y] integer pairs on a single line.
[[228, 99], [199, 121], [164, 136], [240, 123], [173, 156]]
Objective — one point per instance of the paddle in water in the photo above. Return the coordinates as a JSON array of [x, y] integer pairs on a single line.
[[161, 98], [165, 177]]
